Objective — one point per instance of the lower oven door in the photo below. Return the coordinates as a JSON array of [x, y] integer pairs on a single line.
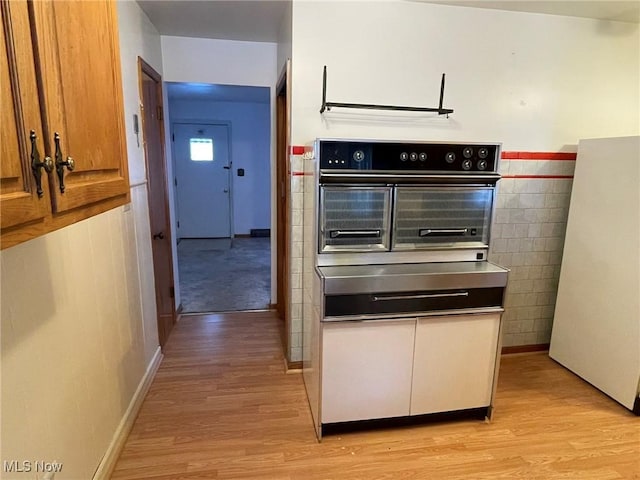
[[354, 218], [435, 217]]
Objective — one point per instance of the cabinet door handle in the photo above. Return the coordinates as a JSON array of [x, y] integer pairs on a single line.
[[159, 236], [37, 165], [69, 163]]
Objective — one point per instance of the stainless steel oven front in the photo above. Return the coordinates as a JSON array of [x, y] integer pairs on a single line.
[[382, 202]]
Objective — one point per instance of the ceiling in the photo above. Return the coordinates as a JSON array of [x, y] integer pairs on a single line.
[[247, 20], [259, 20]]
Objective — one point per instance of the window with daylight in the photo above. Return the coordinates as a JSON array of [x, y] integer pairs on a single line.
[[201, 149]]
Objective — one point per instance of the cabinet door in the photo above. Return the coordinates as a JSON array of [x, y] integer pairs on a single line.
[[366, 369], [454, 363], [79, 61], [19, 115]]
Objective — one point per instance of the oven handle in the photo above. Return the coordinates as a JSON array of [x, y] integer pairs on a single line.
[[354, 233], [420, 297], [424, 232]]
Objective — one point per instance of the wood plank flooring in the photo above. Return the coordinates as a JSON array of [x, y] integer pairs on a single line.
[[222, 408]]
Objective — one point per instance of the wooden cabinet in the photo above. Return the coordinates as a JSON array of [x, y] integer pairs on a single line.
[[61, 80]]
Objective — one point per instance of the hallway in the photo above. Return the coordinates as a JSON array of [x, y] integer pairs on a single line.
[[221, 407]]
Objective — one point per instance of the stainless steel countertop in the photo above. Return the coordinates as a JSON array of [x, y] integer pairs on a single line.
[[344, 280]]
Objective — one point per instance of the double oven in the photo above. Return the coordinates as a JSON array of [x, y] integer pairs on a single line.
[[402, 309]]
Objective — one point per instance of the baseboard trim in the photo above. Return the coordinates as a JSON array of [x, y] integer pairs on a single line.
[[293, 367], [539, 347], [108, 463]]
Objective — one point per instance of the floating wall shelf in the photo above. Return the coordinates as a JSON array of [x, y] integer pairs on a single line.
[[326, 106]]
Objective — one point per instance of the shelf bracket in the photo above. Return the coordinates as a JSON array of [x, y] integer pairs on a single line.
[[326, 106]]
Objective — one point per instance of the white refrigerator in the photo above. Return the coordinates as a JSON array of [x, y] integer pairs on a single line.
[[596, 327]]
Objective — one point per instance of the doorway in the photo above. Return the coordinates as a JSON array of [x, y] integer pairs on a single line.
[[221, 153]]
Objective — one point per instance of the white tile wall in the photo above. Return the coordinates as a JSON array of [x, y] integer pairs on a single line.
[[528, 237], [296, 167]]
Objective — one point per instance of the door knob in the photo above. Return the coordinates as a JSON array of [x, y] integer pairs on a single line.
[[159, 236], [226, 191]]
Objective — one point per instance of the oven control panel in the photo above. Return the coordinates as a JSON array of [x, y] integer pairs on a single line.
[[397, 157]]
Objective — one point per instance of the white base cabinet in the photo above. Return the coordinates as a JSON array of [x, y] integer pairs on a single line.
[[454, 362], [396, 368], [366, 370]]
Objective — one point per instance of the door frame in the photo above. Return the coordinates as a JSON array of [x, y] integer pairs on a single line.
[[145, 69], [211, 123], [283, 204]]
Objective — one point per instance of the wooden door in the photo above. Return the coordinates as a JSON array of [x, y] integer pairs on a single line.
[[153, 134], [79, 61], [20, 115], [283, 220]]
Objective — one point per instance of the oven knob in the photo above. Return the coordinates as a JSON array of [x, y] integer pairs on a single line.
[[450, 157], [466, 164], [413, 156], [404, 156], [483, 152], [423, 157], [358, 155], [467, 152], [482, 164]]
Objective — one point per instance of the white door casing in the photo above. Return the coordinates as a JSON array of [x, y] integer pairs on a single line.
[[203, 190]]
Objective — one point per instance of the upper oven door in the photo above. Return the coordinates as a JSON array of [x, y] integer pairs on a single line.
[[442, 217], [354, 218]]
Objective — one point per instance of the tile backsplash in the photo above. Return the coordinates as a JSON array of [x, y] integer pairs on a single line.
[[528, 238]]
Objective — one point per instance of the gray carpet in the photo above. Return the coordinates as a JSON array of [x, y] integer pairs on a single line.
[[218, 277]]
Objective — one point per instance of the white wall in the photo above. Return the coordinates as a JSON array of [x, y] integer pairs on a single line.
[[226, 62], [78, 318], [533, 82], [139, 38], [284, 38], [250, 149]]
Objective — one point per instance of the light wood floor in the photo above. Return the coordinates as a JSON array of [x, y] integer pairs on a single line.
[[222, 408]]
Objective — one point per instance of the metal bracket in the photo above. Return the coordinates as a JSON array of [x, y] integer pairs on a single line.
[[326, 106]]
